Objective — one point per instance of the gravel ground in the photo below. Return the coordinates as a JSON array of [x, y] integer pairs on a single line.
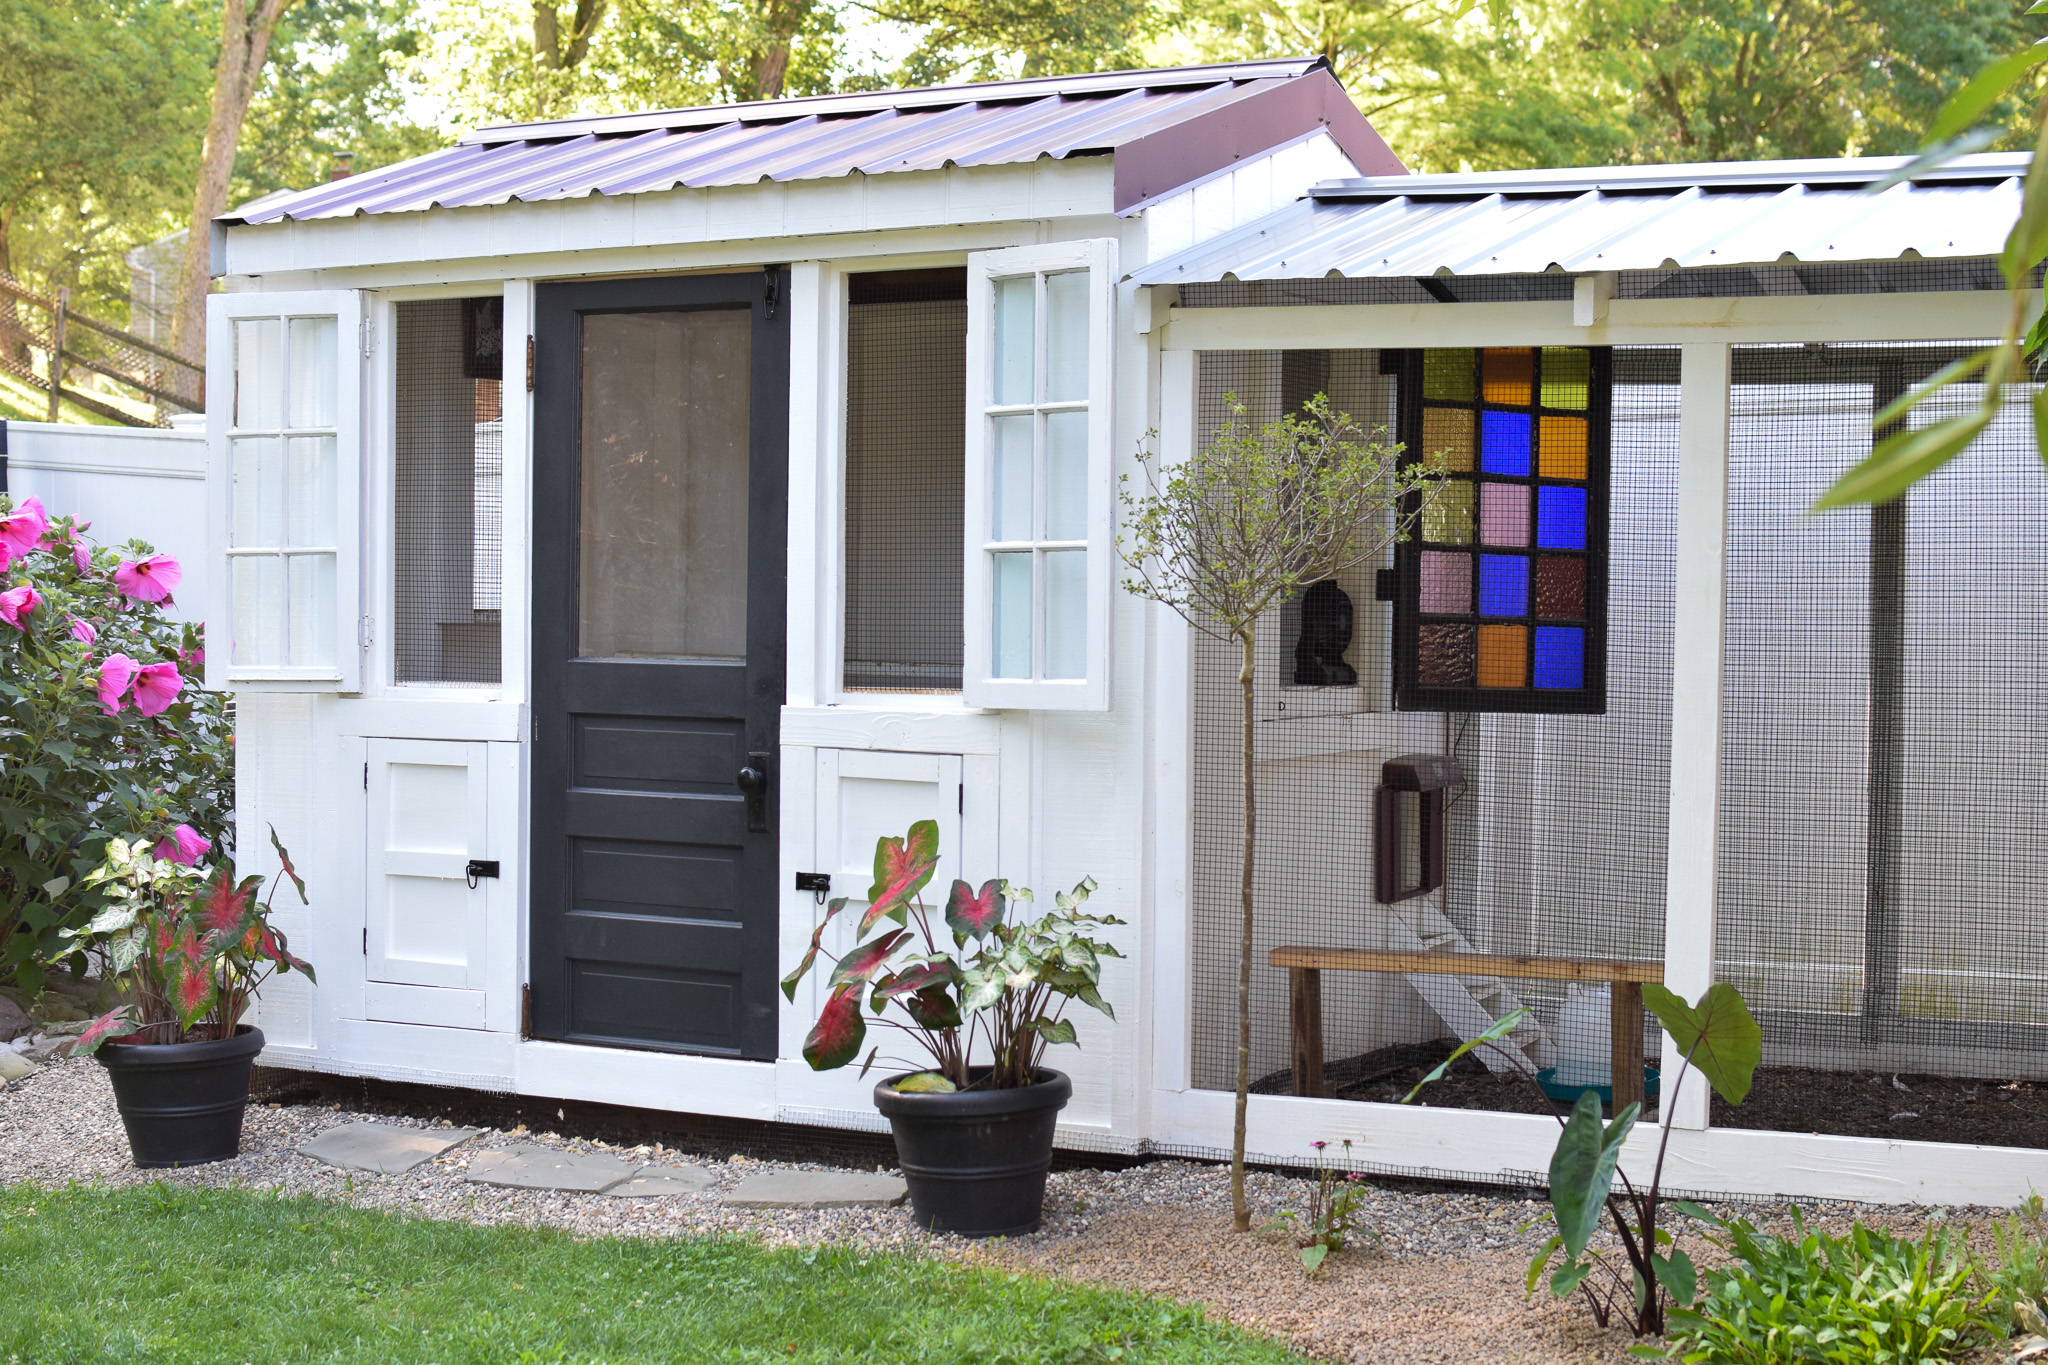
[[1440, 1281]]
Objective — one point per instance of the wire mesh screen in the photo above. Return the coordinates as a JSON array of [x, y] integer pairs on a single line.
[[906, 393], [1555, 842], [448, 492], [1884, 782]]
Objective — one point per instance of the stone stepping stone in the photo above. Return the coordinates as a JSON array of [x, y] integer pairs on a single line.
[[525, 1166], [659, 1180], [384, 1148], [817, 1190]]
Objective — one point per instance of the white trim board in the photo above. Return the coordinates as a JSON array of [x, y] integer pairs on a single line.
[[1931, 316]]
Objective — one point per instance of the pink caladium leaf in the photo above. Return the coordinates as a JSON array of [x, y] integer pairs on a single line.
[[970, 913], [836, 1038], [863, 962], [188, 976], [224, 910], [917, 977], [933, 1008], [115, 1023], [902, 867], [811, 953], [284, 860], [265, 944]]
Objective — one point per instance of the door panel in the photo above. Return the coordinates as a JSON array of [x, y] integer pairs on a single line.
[[660, 418], [428, 818]]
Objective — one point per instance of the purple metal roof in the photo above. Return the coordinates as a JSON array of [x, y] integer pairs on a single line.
[[1167, 128]]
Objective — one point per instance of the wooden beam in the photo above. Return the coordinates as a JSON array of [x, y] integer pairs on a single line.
[[1305, 1009], [1467, 964], [1626, 1057]]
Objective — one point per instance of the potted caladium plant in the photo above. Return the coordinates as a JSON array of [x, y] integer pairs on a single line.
[[981, 992], [189, 945]]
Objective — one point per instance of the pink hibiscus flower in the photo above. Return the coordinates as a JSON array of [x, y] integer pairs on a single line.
[[16, 603], [83, 632], [23, 529], [156, 687], [81, 558], [115, 674], [185, 845], [148, 580]]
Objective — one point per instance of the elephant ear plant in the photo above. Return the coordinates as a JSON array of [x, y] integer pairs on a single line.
[[189, 945], [1721, 1040], [977, 981]]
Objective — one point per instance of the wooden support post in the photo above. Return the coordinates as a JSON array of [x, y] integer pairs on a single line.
[[1305, 1006], [1626, 1058], [57, 320]]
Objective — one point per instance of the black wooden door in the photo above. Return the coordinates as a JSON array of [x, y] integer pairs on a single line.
[[660, 473]]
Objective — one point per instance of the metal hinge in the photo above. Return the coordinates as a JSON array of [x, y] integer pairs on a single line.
[[366, 631], [963, 798], [771, 286], [366, 776], [369, 336], [529, 362], [526, 1011], [366, 940]]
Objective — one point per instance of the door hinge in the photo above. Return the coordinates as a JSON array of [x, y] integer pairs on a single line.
[[369, 336], [526, 1011], [366, 940], [366, 775], [771, 286], [963, 798], [366, 631], [529, 362]]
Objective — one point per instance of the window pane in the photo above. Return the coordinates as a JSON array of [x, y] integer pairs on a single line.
[[1504, 513], [1014, 330], [1012, 615], [1066, 476], [313, 372], [310, 579], [257, 585], [1066, 336], [309, 490], [1013, 478], [1066, 614], [259, 373], [258, 494], [664, 478]]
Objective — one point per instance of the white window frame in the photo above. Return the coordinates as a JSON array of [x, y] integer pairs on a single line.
[[345, 306], [980, 686]]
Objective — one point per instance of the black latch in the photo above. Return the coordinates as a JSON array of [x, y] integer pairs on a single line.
[[480, 867], [818, 882], [1386, 584]]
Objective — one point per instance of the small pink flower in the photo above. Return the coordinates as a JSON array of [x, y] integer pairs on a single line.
[[81, 558], [156, 687], [115, 674], [185, 845], [148, 580], [23, 529], [16, 603], [194, 657], [83, 632]]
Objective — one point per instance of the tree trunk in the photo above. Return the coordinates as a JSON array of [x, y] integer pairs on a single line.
[[245, 33], [1240, 1212]]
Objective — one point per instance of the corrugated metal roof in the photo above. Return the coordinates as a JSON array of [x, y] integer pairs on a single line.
[[1618, 218], [1177, 120]]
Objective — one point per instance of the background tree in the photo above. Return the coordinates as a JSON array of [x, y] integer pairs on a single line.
[[991, 39], [1248, 521]]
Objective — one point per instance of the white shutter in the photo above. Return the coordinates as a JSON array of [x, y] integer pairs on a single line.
[[1040, 492], [284, 454]]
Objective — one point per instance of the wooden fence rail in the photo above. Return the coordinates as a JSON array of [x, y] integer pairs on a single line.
[[122, 357]]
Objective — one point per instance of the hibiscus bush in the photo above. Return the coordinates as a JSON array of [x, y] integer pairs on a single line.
[[101, 729]]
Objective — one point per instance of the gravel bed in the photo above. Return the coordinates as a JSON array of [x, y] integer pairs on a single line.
[[1439, 1279]]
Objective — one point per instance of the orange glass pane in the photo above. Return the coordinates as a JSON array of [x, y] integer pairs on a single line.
[[1447, 439], [1503, 656], [1561, 448], [1509, 375]]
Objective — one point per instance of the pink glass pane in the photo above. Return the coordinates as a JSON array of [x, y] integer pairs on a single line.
[[1504, 514], [1446, 584]]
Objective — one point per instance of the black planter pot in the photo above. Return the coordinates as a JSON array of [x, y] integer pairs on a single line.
[[976, 1160], [182, 1103]]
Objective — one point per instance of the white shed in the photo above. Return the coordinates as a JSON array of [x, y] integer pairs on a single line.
[[620, 518]]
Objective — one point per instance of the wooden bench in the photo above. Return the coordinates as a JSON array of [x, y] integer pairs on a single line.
[[1305, 968]]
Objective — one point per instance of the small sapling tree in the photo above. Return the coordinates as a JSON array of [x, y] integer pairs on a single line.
[[1247, 521]]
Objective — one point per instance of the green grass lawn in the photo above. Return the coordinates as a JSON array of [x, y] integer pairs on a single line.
[[171, 1274]]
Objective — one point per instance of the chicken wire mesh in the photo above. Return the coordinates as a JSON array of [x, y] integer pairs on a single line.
[[447, 491], [1555, 841], [1884, 783], [906, 395]]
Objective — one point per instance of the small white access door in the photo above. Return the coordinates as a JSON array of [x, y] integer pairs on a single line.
[[426, 943]]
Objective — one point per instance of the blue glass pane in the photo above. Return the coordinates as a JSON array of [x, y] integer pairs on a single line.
[[1560, 656], [1504, 442], [1503, 585], [1561, 518]]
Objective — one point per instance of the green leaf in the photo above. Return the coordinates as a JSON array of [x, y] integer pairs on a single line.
[[925, 1083], [1057, 1030], [1692, 1210], [1985, 89], [1903, 460], [1540, 1261], [1937, 154], [1502, 1028], [1582, 1169], [1312, 1257], [1955, 372], [1676, 1273], [1568, 1277], [1719, 1034]]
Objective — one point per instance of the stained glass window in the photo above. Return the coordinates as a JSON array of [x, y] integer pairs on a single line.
[[1502, 601]]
